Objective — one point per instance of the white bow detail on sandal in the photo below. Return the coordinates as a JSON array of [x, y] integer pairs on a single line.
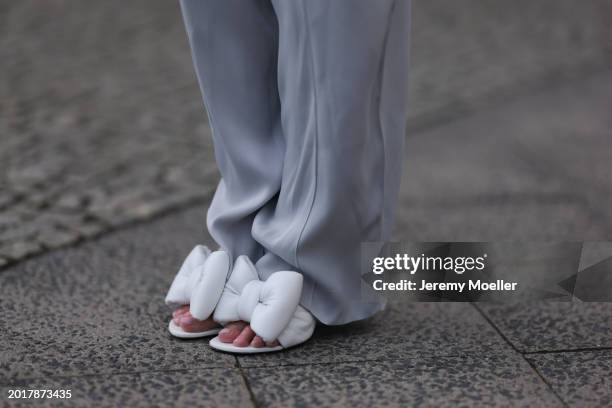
[[199, 283], [272, 308]]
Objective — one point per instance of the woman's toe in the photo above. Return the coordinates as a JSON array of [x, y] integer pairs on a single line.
[[190, 324], [229, 333], [179, 312], [257, 342], [186, 321], [245, 337]]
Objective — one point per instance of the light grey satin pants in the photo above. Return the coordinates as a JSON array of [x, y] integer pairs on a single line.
[[307, 104]]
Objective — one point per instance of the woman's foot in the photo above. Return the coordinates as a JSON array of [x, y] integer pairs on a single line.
[[188, 323], [240, 334]]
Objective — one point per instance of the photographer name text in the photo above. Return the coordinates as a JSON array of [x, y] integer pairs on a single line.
[[423, 285]]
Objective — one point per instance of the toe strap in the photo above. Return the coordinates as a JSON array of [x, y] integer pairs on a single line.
[[190, 272], [279, 297], [207, 290], [300, 328], [200, 281], [271, 307]]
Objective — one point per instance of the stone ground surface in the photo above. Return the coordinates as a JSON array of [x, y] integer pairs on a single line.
[[102, 125], [102, 122]]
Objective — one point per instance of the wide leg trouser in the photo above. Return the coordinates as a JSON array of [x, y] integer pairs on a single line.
[[307, 104]]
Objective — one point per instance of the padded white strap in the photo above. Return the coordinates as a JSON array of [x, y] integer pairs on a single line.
[[208, 289], [200, 281], [300, 328], [271, 306], [190, 272]]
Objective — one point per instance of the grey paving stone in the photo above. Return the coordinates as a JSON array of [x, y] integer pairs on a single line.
[[98, 308], [405, 330], [25, 231], [10, 220], [70, 201], [191, 388], [55, 238], [582, 379], [6, 199], [464, 51], [549, 326], [536, 168], [463, 381], [166, 242], [91, 229], [19, 249], [535, 218]]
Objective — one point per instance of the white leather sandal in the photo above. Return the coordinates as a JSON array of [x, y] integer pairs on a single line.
[[272, 308], [198, 283]]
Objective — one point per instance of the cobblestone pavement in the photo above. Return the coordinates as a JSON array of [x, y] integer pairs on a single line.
[[102, 123], [91, 319]]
